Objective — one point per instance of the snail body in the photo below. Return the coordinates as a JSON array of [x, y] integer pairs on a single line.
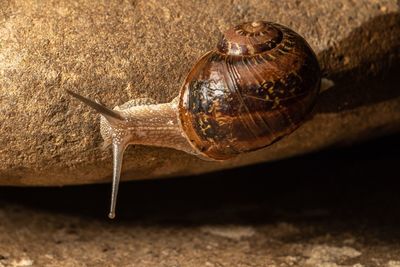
[[256, 86]]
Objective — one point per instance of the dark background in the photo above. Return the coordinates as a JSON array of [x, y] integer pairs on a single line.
[[353, 185]]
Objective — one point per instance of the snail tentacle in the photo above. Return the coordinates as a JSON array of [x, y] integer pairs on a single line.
[[110, 114], [118, 147]]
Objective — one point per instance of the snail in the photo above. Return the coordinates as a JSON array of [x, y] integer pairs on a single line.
[[258, 85]]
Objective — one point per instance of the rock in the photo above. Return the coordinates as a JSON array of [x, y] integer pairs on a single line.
[[117, 51], [328, 256]]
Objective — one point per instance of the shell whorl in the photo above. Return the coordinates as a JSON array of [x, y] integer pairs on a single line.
[[250, 38], [257, 86]]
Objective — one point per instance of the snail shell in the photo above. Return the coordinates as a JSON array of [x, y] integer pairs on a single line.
[[258, 85]]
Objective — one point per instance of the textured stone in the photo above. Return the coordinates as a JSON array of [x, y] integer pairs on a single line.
[[119, 50]]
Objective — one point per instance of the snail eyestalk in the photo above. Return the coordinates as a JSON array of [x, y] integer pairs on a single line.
[[118, 146], [109, 114]]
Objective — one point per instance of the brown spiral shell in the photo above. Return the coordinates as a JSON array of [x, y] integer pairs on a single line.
[[257, 86]]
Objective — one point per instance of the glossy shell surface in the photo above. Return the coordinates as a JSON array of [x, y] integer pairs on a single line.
[[257, 86]]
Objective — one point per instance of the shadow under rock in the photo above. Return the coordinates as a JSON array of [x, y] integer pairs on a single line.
[[349, 189], [361, 77]]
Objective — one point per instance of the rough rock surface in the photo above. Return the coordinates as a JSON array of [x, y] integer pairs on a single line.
[[119, 50], [301, 216]]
